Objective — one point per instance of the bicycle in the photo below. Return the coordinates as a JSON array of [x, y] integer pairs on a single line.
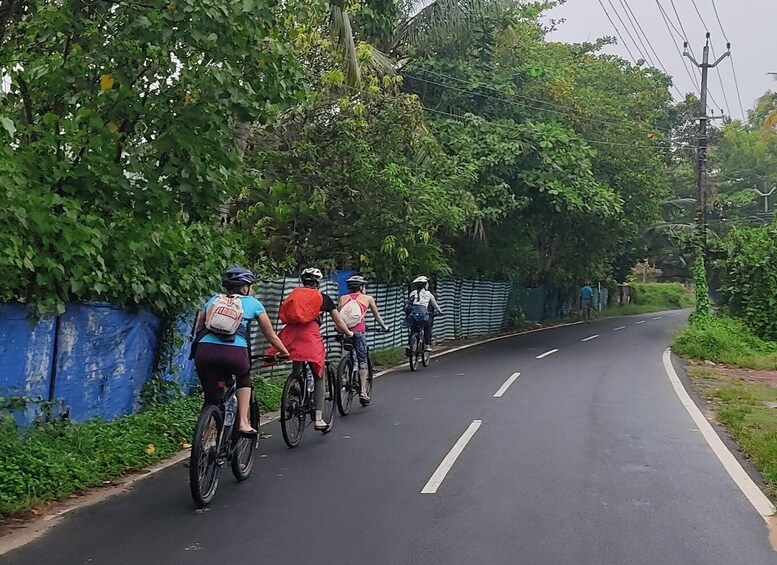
[[217, 440], [416, 349], [298, 401], [348, 378]]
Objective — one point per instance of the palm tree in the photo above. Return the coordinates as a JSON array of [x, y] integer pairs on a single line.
[[437, 20]]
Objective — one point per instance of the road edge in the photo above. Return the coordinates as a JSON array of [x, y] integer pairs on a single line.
[[746, 485]]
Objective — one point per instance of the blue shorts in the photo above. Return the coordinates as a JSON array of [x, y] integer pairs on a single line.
[[360, 347]]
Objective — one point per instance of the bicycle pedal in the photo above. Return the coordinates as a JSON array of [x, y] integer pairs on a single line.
[[220, 462]]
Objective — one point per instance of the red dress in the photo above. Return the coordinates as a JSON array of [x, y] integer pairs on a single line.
[[304, 343]]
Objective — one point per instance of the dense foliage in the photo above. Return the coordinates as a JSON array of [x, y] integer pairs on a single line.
[[118, 140], [456, 140], [750, 278]]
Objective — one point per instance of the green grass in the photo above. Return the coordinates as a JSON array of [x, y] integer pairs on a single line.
[[268, 392], [725, 340], [384, 357], [653, 297], [53, 461], [741, 409], [50, 462]]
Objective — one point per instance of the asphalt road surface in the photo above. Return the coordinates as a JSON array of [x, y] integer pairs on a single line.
[[587, 457]]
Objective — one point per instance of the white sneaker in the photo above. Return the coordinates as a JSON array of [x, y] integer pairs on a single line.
[[428, 349]]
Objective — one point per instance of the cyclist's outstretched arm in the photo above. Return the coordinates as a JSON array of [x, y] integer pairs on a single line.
[[374, 309], [266, 326], [434, 305]]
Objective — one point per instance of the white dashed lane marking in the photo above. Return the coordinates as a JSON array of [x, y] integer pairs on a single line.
[[506, 385], [547, 353], [589, 338]]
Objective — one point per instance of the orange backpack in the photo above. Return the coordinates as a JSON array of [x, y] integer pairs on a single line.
[[303, 305]]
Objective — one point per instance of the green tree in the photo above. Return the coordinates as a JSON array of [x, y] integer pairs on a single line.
[[118, 131]]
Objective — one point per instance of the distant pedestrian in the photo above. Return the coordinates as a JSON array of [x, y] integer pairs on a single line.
[[587, 302]]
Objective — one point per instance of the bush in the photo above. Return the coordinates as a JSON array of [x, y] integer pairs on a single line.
[[52, 461], [728, 341], [662, 295], [654, 297], [750, 278]]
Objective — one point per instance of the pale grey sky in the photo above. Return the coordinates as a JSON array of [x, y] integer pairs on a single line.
[[751, 27]]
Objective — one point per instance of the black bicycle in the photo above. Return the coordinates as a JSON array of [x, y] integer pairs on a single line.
[[348, 379], [217, 440], [298, 402], [416, 350]]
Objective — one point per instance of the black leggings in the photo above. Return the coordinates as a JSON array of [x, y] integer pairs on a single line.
[[218, 364]]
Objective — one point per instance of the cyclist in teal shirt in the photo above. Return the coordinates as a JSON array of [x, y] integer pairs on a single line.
[[219, 359]]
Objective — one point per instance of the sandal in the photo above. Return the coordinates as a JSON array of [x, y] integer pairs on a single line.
[[248, 433]]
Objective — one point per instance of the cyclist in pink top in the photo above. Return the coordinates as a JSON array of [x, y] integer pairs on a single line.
[[357, 292]]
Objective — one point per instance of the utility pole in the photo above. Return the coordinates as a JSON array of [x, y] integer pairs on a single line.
[[701, 151], [765, 196]]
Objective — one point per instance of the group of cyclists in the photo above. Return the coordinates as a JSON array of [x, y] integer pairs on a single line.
[[220, 356]]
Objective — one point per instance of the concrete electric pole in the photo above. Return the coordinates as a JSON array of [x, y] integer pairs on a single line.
[[701, 151]]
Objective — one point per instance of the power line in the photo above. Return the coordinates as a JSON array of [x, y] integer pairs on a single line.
[[639, 27], [720, 79], [634, 60], [717, 16], [514, 127], [540, 109], [687, 41], [502, 95], [628, 32], [698, 13], [668, 23], [636, 32]]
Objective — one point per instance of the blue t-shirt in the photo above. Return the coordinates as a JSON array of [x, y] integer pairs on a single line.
[[251, 310], [587, 293]]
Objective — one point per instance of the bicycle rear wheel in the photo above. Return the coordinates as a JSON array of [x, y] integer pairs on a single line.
[[330, 392], [369, 390], [292, 415], [245, 447], [346, 388], [203, 466], [415, 343]]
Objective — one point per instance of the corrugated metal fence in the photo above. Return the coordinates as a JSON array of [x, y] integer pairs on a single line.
[[471, 308]]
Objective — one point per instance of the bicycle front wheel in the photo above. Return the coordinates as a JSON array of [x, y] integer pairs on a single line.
[[245, 447], [203, 465], [292, 414], [346, 388]]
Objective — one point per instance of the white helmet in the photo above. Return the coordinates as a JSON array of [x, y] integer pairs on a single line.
[[421, 280], [311, 275]]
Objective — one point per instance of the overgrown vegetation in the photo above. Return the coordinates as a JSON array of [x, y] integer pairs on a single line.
[[654, 297], [740, 406], [726, 340], [52, 461]]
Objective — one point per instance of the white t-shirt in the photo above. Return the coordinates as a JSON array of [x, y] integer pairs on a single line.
[[424, 298]]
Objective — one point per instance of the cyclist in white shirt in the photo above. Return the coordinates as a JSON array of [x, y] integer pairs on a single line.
[[420, 296]]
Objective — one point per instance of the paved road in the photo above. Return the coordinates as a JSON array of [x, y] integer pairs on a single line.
[[587, 458]]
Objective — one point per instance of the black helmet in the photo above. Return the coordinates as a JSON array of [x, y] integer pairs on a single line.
[[237, 277], [356, 282]]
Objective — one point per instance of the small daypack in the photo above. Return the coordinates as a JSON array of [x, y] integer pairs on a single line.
[[352, 313], [302, 306], [224, 316], [416, 312]]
